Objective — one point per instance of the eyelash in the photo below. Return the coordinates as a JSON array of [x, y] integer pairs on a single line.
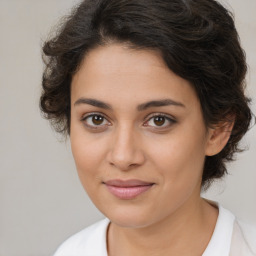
[[96, 127], [166, 117]]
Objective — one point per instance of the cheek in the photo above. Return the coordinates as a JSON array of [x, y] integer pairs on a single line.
[[180, 158], [180, 166], [87, 152]]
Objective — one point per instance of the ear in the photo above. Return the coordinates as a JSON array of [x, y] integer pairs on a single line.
[[218, 137]]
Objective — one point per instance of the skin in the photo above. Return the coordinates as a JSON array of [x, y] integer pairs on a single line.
[[128, 143]]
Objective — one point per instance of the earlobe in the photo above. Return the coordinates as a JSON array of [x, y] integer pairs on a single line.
[[218, 137]]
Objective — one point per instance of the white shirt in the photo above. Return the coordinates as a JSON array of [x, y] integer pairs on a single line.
[[230, 238]]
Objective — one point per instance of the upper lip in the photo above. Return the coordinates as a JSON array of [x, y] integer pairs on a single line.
[[127, 183]]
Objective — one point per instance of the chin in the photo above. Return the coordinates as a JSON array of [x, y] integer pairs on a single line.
[[129, 218]]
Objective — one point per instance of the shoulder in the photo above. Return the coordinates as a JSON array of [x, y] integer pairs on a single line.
[[244, 238], [90, 241], [231, 237], [221, 238]]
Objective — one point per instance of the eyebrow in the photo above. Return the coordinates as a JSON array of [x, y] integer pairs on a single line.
[[141, 107], [93, 102], [159, 103]]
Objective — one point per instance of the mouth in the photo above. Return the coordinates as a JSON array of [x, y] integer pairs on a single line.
[[127, 189]]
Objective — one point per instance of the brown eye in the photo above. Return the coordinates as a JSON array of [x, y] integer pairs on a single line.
[[95, 121], [159, 120]]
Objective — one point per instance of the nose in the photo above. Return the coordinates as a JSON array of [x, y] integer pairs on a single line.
[[126, 151]]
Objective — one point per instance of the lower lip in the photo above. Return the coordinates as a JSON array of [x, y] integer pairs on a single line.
[[128, 192]]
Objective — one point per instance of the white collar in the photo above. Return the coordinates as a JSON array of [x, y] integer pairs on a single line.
[[219, 244], [221, 239]]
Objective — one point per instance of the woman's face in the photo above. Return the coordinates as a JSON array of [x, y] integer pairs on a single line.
[[137, 135]]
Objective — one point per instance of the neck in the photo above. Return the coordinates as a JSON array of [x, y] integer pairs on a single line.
[[191, 225]]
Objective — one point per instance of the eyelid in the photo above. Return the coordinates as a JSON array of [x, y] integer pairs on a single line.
[[84, 116], [155, 114], [96, 127], [170, 118]]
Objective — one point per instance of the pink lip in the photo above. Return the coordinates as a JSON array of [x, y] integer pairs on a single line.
[[127, 189]]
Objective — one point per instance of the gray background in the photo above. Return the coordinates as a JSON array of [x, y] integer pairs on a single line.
[[41, 199]]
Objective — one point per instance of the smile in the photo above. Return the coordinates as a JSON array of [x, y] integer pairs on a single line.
[[128, 189]]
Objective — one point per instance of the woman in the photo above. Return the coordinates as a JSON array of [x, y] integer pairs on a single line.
[[151, 94]]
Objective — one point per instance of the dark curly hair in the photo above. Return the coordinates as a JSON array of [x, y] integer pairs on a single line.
[[197, 40]]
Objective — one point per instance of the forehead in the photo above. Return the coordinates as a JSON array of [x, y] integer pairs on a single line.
[[117, 72]]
